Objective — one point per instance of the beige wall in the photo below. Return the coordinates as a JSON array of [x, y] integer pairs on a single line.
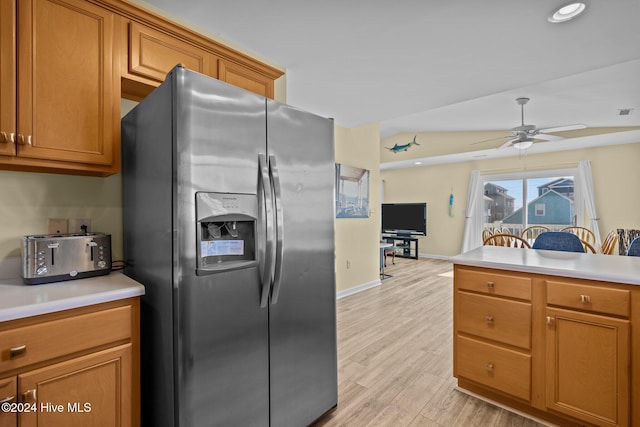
[[29, 199], [614, 170], [357, 239]]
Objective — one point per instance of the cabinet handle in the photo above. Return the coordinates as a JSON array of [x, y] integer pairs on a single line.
[[490, 285], [489, 320], [14, 352], [29, 396], [550, 320], [489, 367], [24, 139], [585, 299], [9, 399], [8, 137]]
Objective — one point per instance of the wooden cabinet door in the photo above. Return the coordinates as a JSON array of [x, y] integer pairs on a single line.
[[7, 77], [8, 393], [92, 390], [152, 54], [245, 78], [68, 90], [588, 367]]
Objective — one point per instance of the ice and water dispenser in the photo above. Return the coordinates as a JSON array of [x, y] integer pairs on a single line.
[[226, 231]]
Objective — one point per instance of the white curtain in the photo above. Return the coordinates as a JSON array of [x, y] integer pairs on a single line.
[[588, 197], [473, 214]]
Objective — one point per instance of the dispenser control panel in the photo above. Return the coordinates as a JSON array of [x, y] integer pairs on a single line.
[[226, 231]]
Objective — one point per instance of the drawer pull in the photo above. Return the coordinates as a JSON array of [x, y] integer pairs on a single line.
[[9, 399], [29, 396], [490, 285], [17, 351], [489, 320], [585, 299], [489, 367], [550, 320]]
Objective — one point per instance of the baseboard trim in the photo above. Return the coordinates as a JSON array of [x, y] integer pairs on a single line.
[[357, 289], [434, 256]]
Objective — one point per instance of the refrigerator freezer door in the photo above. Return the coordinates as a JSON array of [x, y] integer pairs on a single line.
[[224, 370], [302, 321], [222, 332]]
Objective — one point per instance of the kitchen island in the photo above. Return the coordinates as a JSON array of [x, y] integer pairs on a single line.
[[550, 333], [70, 352]]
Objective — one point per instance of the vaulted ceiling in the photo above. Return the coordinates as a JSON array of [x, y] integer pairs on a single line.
[[433, 65]]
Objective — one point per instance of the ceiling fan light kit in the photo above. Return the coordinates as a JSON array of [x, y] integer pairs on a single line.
[[567, 12], [523, 145]]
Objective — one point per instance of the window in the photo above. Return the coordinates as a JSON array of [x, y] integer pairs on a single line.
[[516, 201]]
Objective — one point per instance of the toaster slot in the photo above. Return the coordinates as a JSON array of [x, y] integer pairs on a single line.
[[92, 245], [53, 246]]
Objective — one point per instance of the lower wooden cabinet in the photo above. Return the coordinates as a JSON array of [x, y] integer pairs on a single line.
[[588, 367], [8, 395], [564, 351], [94, 383], [94, 390]]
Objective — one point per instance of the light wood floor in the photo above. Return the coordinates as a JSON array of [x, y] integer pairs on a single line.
[[395, 356]]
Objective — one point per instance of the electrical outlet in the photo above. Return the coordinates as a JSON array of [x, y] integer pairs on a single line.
[[58, 226], [78, 224]]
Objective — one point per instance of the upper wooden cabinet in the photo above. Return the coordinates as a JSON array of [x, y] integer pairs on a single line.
[[152, 46], [245, 78], [65, 117], [151, 54], [7, 77], [65, 64]]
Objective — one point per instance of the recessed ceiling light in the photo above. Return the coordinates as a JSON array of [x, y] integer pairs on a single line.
[[417, 163], [567, 12]]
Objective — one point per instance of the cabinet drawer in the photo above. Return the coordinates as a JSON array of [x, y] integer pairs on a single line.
[[31, 344], [493, 283], [590, 298], [502, 369], [494, 318]]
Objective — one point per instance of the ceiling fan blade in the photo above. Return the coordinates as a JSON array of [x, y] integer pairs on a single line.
[[545, 137], [562, 128], [492, 139]]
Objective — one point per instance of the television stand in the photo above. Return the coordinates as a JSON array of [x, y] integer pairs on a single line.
[[405, 246]]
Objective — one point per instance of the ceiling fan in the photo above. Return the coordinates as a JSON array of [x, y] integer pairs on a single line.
[[523, 136]]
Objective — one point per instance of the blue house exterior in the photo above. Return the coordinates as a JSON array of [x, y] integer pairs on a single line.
[[548, 209]]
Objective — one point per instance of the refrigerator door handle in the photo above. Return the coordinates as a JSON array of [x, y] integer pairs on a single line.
[[279, 216], [267, 264]]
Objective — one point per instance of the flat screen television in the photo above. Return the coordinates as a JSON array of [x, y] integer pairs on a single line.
[[404, 218]]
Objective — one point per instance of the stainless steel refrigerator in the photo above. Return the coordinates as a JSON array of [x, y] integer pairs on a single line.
[[228, 208]]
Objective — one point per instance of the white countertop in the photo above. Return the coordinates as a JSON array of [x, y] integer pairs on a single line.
[[609, 268], [18, 300]]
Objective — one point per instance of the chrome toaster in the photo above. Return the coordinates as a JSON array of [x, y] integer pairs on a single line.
[[57, 257]]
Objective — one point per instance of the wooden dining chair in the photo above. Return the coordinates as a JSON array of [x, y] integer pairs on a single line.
[[609, 243], [583, 233], [508, 240], [588, 248], [530, 233]]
